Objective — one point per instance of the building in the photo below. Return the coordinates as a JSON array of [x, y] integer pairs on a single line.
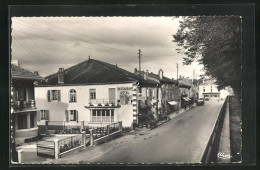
[[168, 93], [93, 92], [210, 89], [24, 111], [186, 92]]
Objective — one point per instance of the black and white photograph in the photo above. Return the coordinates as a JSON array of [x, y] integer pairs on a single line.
[[126, 90]]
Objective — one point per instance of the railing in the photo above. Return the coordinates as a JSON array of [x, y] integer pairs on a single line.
[[23, 105], [102, 101], [70, 143], [211, 151], [99, 132], [63, 127], [74, 142]]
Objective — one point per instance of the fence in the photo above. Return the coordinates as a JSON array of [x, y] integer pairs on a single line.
[[211, 151], [63, 127], [46, 149], [58, 147]]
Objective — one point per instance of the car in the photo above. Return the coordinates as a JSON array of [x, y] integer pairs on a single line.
[[206, 98], [200, 102]]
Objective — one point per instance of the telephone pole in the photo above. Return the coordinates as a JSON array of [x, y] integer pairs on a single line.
[[139, 56], [177, 71]]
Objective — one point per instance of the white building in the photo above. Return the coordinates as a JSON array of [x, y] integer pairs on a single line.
[[210, 89], [92, 91]]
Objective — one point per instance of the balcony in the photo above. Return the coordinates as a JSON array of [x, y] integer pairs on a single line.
[[102, 102], [24, 105]]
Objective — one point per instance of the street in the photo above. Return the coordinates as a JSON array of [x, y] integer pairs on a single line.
[[181, 140]]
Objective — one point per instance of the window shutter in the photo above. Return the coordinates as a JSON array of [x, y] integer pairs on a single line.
[[38, 115], [58, 93], [77, 117], [47, 114], [67, 115], [75, 97], [49, 96], [69, 97]]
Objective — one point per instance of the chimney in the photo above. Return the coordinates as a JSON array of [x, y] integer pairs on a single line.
[[160, 74], [135, 71], [36, 73], [15, 62], [61, 76], [146, 74]]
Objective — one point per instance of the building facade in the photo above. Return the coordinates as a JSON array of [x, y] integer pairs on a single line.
[[210, 89], [23, 110], [93, 92]]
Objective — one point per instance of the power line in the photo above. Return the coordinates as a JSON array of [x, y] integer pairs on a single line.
[[62, 34]]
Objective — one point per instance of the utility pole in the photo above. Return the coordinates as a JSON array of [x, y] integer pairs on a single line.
[[139, 56], [177, 71]]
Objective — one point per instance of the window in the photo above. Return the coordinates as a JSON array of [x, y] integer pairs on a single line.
[[102, 115], [32, 116], [20, 94], [71, 115], [203, 90], [22, 121], [211, 90], [72, 96], [53, 95], [92, 93], [44, 114]]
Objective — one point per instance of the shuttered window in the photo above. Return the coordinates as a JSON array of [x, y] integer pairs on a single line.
[[71, 115], [44, 114], [53, 95]]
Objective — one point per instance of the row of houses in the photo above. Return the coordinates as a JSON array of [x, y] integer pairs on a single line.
[[94, 92]]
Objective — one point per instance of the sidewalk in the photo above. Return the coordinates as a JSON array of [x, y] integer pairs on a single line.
[[172, 115], [90, 153]]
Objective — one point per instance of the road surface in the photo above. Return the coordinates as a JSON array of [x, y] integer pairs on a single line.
[[181, 140]]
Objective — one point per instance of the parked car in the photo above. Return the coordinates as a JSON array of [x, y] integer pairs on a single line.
[[200, 102], [206, 98]]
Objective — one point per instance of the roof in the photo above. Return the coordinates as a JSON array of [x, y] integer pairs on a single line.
[[18, 72], [185, 83], [208, 82], [96, 72], [157, 77]]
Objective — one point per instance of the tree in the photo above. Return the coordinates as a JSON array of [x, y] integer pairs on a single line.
[[215, 42]]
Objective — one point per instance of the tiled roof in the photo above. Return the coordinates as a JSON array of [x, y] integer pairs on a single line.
[[95, 72], [185, 83], [21, 73], [208, 82], [157, 77]]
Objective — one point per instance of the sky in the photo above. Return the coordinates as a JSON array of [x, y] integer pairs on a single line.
[[45, 44]]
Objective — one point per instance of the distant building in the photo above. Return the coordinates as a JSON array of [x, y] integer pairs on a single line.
[[24, 111], [210, 89], [93, 92]]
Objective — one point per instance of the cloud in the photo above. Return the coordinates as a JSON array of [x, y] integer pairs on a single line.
[[52, 42]]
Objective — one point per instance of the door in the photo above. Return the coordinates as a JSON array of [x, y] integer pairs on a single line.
[[112, 95]]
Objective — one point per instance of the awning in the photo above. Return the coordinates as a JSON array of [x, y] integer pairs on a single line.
[[172, 102], [185, 98]]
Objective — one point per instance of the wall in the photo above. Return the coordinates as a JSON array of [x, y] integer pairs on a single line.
[[57, 109]]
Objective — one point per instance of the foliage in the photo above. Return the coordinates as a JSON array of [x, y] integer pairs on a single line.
[[214, 42], [145, 117]]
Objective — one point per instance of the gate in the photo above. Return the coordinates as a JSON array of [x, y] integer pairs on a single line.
[[46, 149]]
